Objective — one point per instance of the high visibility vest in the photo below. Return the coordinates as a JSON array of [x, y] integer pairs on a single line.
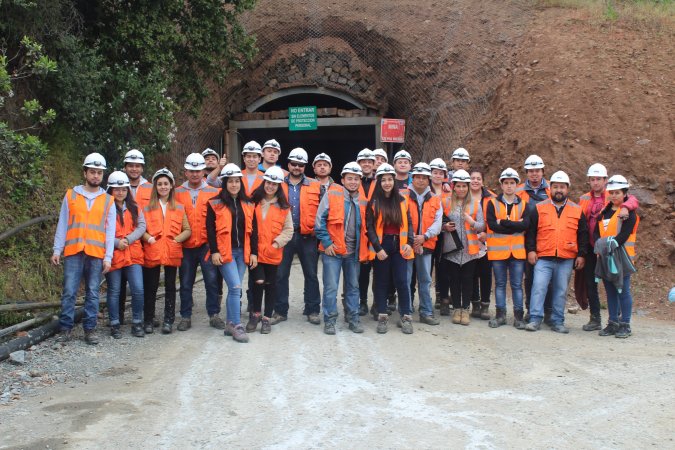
[[256, 183], [310, 195], [471, 235], [371, 189], [196, 213], [585, 202], [429, 209], [268, 229], [224, 229], [165, 251], [142, 196], [502, 246], [335, 223], [403, 230], [86, 227], [133, 254], [557, 236], [523, 194], [611, 228]]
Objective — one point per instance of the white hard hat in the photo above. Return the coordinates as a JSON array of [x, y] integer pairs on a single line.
[[118, 179], [421, 168], [509, 173], [461, 153], [94, 161], [597, 170], [461, 176], [380, 152], [385, 169], [272, 143], [274, 174], [322, 157], [134, 156], [617, 182], [560, 177], [298, 155], [164, 172], [352, 167], [230, 170], [534, 162], [210, 151], [252, 147], [195, 161], [438, 163], [366, 153], [402, 154]]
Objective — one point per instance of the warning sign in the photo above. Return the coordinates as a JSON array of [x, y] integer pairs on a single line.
[[302, 118], [392, 130]]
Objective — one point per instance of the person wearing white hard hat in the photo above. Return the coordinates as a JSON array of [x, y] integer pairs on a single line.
[[128, 256], [85, 234], [556, 243], [402, 166], [194, 195], [303, 194], [275, 230], [211, 159], [592, 203], [617, 237], [366, 159], [380, 157], [508, 219], [341, 237], [271, 150], [439, 176], [459, 161], [134, 164], [251, 155], [322, 165]]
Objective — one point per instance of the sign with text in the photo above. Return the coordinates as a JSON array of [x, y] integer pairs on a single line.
[[301, 118], [392, 130]]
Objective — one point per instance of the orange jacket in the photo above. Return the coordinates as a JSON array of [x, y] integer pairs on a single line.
[[310, 193], [523, 194], [429, 209], [196, 213], [165, 251], [86, 227], [268, 229], [133, 254], [335, 222], [503, 246], [403, 230], [224, 228], [471, 235], [557, 236], [612, 229]]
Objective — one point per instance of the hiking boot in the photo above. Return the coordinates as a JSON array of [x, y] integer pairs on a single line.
[[90, 337], [518, 321], [265, 326], [373, 312], [148, 328], [429, 320], [391, 304], [624, 330], [465, 318], [314, 319], [475, 310], [167, 328], [533, 326], [65, 336], [406, 324], [457, 316], [526, 317], [184, 324], [382, 322], [610, 329], [137, 330], [253, 320], [547, 318], [216, 322], [445, 307], [560, 328], [115, 332], [499, 320], [155, 322], [593, 324], [329, 328], [485, 311], [276, 318], [363, 309], [237, 332], [356, 327]]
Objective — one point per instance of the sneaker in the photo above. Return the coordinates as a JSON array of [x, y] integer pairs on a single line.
[[465, 317], [137, 330], [406, 325], [382, 323], [314, 319], [593, 324], [239, 333], [276, 318], [90, 337], [363, 309], [533, 326], [115, 332], [167, 328], [610, 329], [356, 327], [429, 320], [184, 324], [265, 326], [329, 328], [253, 320], [65, 336], [624, 331], [560, 328], [148, 328], [457, 316], [216, 322]]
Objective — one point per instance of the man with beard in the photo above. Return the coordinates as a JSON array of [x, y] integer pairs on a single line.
[[556, 243], [86, 235]]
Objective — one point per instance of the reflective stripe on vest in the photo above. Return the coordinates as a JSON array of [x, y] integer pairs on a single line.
[[501, 246], [403, 233], [557, 236], [86, 227], [164, 251], [613, 228]]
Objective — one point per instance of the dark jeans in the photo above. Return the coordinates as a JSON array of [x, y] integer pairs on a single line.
[[591, 284], [308, 254], [123, 297], [267, 273], [461, 282], [529, 278], [482, 280], [193, 258], [394, 267], [150, 286], [364, 281]]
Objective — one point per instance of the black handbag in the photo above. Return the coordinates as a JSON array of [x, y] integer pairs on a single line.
[[451, 242]]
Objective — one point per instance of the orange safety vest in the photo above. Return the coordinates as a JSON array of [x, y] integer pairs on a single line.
[[585, 202], [256, 183], [471, 235], [165, 251], [403, 231], [268, 229], [142, 196], [612, 229], [522, 193], [429, 209], [196, 213], [133, 254], [86, 227], [224, 228], [371, 189], [335, 222], [309, 203], [557, 236], [503, 246]]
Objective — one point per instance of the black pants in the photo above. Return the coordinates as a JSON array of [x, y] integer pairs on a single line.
[[529, 279], [391, 274], [364, 281], [591, 285], [482, 280], [461, 282], [267, 273], [150, 286]]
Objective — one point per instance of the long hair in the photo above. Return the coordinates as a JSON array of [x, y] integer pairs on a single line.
[[388, 207], [132, 207], [259, 194], [464, 204], [228, 200], [154, 198]]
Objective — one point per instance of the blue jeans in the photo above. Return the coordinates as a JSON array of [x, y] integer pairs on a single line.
[[332, 265], [423, 272], [389, 274], [513, 268], [134, 275], [193, 257], [76, 267], [233, 274], [620, 306], [558, 273], [308, 254]]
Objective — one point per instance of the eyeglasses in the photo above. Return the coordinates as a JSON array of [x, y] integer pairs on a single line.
[[296, 164]]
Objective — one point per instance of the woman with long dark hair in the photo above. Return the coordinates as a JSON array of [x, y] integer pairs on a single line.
[[482, 278]]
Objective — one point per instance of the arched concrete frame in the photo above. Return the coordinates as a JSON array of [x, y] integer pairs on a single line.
[[303, 90]]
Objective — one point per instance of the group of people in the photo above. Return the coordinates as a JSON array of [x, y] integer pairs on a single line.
[[404, 223]]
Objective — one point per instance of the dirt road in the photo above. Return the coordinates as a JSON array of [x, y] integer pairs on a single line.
[[442, 387]]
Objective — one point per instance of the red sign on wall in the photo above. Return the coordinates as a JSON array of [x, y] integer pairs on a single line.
[[392, 130]]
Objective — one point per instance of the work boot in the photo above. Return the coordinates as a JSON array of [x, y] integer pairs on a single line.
[[216, 322], [457, 316], [115, 332], [475, 310], [184, 324], [445, 307], [167, 328], [610, 329], [560, 328], [465, 317], [533, 326], [485, 311], [382, 322], [499, 320], [593, 324], [363, 309], [314, 319], [355, 326], [276, 318], [406, 324], [253, 320], [137, 330], [155, 322], [547, 318], [329, 328], [149, 328], [265, 326], [64, 336], [429, 320], [518, 321], [90, 337], [624, 330], [239, 333], [391, 304]]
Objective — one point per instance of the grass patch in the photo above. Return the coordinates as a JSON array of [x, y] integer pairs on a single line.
[[654, 12]]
